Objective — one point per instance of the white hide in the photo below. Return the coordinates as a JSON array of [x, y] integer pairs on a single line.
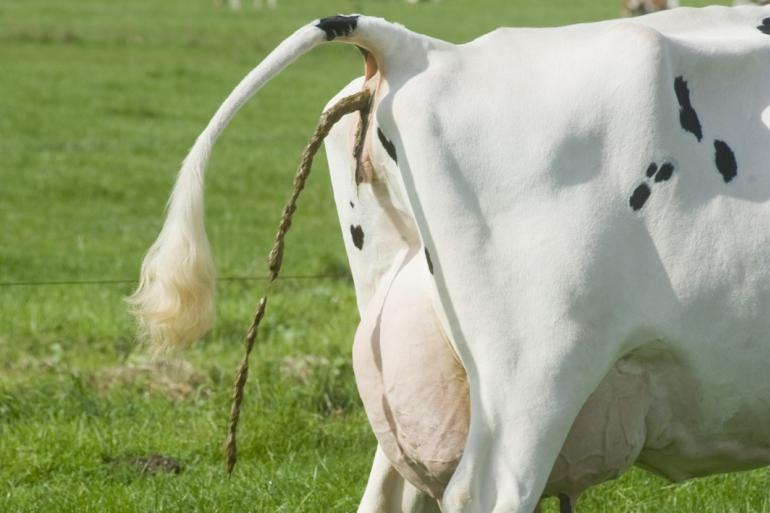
[[518, 158], [604, 440], [695, 451], [546, 276]]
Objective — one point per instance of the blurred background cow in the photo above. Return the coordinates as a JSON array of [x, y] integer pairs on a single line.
[[272, 4], [236, 4], [639, 7]]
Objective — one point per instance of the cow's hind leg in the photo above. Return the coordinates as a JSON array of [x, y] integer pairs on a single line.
[[388, 492], [525, 395]]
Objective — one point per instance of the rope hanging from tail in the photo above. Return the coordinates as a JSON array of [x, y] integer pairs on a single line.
[[361, 102]]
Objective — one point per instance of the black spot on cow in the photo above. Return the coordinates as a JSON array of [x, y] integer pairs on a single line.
[[352, 205], [639, 196], [389, 147], [765, 27], [687, 115], [336, 26], [725, 161], [664, 173], [565, 506], [358, 236], [642, 193], [430, 262]]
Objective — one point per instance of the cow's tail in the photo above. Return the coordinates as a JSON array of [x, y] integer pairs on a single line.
[[174, 300]]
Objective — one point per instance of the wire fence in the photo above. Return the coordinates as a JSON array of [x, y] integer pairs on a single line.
[[59, 283]]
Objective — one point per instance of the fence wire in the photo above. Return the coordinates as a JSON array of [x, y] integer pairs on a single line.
[[57, 283]]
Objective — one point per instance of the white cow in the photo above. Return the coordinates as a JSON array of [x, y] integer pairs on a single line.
[[588, 233]]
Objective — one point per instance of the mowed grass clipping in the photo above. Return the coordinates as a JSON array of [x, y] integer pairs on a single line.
[[99, 102]]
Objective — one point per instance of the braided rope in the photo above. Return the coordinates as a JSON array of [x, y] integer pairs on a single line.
[[361, 102]]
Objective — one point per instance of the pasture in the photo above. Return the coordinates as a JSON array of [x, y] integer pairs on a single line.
[[99, 103]]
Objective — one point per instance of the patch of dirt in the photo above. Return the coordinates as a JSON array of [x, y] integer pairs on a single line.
[[302, 368], [176, 380], [150, 464]]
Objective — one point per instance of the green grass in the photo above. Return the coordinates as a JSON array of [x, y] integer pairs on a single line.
[[99, 102]]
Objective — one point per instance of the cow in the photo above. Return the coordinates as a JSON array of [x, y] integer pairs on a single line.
[[749, 2], [571, 225], [640, 7], [236, 4]]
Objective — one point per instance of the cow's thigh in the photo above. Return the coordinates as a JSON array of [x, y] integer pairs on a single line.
[[415, 393], [412, 385]]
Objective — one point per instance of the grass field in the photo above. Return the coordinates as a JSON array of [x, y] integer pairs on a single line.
[[99, 102]]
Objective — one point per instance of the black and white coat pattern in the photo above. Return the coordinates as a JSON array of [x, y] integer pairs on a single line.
[[584, 195]]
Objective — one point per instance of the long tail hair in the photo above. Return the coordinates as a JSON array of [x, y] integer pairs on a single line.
[[174, 302]]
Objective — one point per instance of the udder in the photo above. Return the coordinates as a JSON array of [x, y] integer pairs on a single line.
[[413, 388], [415, 394]]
